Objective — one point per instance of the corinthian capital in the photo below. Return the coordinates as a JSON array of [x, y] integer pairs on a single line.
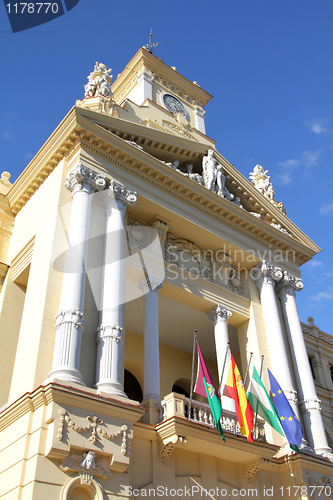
[[219, 313], [82, 178], [123, 197], [290, 283], [266, 273]]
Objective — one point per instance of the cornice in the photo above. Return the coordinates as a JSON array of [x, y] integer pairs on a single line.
[[84, 398], [167, 77], [79, 130], [59, 144]]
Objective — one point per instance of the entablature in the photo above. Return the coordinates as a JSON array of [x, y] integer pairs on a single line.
[[116, 147]]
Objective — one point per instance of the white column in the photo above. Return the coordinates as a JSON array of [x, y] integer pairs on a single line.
[[266, 276], [309, 402], [220, 316], [69, 320], [151, 339], [110, 331]]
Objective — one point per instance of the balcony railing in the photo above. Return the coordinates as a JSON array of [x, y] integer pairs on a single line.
[[178, 405]]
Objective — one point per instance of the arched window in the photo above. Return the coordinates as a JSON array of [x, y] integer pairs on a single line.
[[132, 387]]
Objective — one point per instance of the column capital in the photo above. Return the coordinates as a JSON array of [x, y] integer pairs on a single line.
[[219, 313], [81, 178], [122, 197], [150, 285], [266, 273], [111, 331], [290, 284]]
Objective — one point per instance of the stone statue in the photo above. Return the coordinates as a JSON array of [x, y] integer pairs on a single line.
[[90, 87], [194, 177], [262, 182], [209, 170], [88, 461], [174, 164], [221, 188], [99, 82]]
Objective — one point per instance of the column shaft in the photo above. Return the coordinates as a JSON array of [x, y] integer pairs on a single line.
[[151, 344], [110, 331], [69, 320], [309, 401], [220, 316], [274, 334]]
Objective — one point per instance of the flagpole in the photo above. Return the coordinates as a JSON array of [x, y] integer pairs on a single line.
[[247, 369], [192, 374], [255, 418], [224, 362]]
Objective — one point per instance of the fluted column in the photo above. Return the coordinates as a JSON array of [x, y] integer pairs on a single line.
[[309, 402], [150, 289], [266, 277], [220, 316], [69, 320], [110, 331]]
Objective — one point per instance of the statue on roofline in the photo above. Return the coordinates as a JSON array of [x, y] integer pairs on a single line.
[[99, 82], [262, 182]]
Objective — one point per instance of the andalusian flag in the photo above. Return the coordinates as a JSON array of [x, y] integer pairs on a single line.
[[261, 403], [234, 388], [204, 386], [290, 423]]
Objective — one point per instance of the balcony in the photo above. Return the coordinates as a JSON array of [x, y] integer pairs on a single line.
[[177, 405]]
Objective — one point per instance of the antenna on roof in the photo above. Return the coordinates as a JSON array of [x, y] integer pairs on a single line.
[[150, 46]]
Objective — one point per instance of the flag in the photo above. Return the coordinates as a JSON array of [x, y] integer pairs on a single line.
[[261, 403], [290, 423], [204, 385], [234, 388]]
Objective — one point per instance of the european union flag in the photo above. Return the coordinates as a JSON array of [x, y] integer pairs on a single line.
[[291, 426]]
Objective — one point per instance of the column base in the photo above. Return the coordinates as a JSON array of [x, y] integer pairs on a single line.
[[111, 389], [67, 376], [325, 453], [153, 413]]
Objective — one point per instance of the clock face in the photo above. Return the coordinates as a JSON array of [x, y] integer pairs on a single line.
[[174, 105]]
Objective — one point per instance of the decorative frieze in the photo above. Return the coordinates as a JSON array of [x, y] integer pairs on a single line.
[[94, 427]]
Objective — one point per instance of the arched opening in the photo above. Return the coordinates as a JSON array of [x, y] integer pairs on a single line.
[[182, 386], [81, 493], [132, 388]]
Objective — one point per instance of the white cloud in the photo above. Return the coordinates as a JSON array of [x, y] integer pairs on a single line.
[[315, 263], [305, 161], [310, 158], [287, 168], [319, 297], [326, 208], [6, 135], [319, 126]]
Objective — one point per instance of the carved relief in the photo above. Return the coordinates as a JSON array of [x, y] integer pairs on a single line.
[[94, 427], [263, 463], [178, 129], [189, 256], [87, 464], [235, 282], [168, 446]]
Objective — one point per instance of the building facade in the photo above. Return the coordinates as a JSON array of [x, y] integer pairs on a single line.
[[127, 232]]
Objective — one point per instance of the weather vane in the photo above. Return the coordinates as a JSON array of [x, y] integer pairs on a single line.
[[150, 46]]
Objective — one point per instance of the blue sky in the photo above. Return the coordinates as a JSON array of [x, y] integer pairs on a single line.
[[267, 63]]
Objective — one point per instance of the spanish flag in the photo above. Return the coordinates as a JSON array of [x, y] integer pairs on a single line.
[[234, 388]]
